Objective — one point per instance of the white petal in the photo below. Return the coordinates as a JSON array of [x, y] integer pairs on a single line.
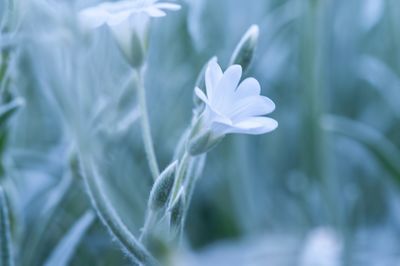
[[118, 18], [251, 106], [213, 76], [254, 126], [224, 92], [213, 115], [115, 7], [92, 17], [201, 95], [123, 34], [248, 87], [168, 6], [153, 11]]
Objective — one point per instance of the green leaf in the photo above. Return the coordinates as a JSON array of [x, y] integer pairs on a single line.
[[5, 235], [384, 151], [65, 249], [56, 196]]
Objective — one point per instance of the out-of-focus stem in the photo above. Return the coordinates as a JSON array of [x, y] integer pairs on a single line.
[[310, 66], [145, 126], [111, 220], [312, 73], [148, 224], [6, 258]]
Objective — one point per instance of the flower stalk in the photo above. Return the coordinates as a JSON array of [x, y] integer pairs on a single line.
[[145, 126], [109, 217]]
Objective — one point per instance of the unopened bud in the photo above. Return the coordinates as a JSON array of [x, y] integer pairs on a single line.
[[244, 51], [177, 209], [162, 187]]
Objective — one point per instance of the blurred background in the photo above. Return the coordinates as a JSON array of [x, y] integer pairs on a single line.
[[322, 189]]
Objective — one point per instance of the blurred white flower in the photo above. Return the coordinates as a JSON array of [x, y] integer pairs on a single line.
[[323, 247], [128, 21], [230, 107], [114, 13], [235, 109]]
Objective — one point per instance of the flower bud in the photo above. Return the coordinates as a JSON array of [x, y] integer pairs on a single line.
[[162, 187], [244, 51], [177, 209]]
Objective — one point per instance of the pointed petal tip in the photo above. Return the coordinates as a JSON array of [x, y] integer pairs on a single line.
[[254, 30], [168, 6], [213, 63], [199, 93]]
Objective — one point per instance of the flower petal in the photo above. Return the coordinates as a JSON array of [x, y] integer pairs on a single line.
[[213, 76], [92, 17], [201, 95], [251, 106], [254, 126], [224, 92], [168, 6], [118, 18], [155, 12], [212, 115], [248, 87], [115, 7]]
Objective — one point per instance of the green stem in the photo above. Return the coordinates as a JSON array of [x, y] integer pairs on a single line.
[[145, 126], [111, 220], [5, 235]]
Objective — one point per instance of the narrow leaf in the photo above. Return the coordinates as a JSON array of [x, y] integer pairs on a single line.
[[65, 249], [384, 151]]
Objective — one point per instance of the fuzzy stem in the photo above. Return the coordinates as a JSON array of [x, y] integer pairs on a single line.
[[5, 235], [195, 172], [148, 224], [112, 221], [145, 126]]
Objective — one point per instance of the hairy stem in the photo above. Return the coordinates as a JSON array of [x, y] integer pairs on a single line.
[[136, 251]]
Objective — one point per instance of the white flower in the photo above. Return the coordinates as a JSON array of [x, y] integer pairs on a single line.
[[323, 247], [128, 21], [231, 108], [114, 13]]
